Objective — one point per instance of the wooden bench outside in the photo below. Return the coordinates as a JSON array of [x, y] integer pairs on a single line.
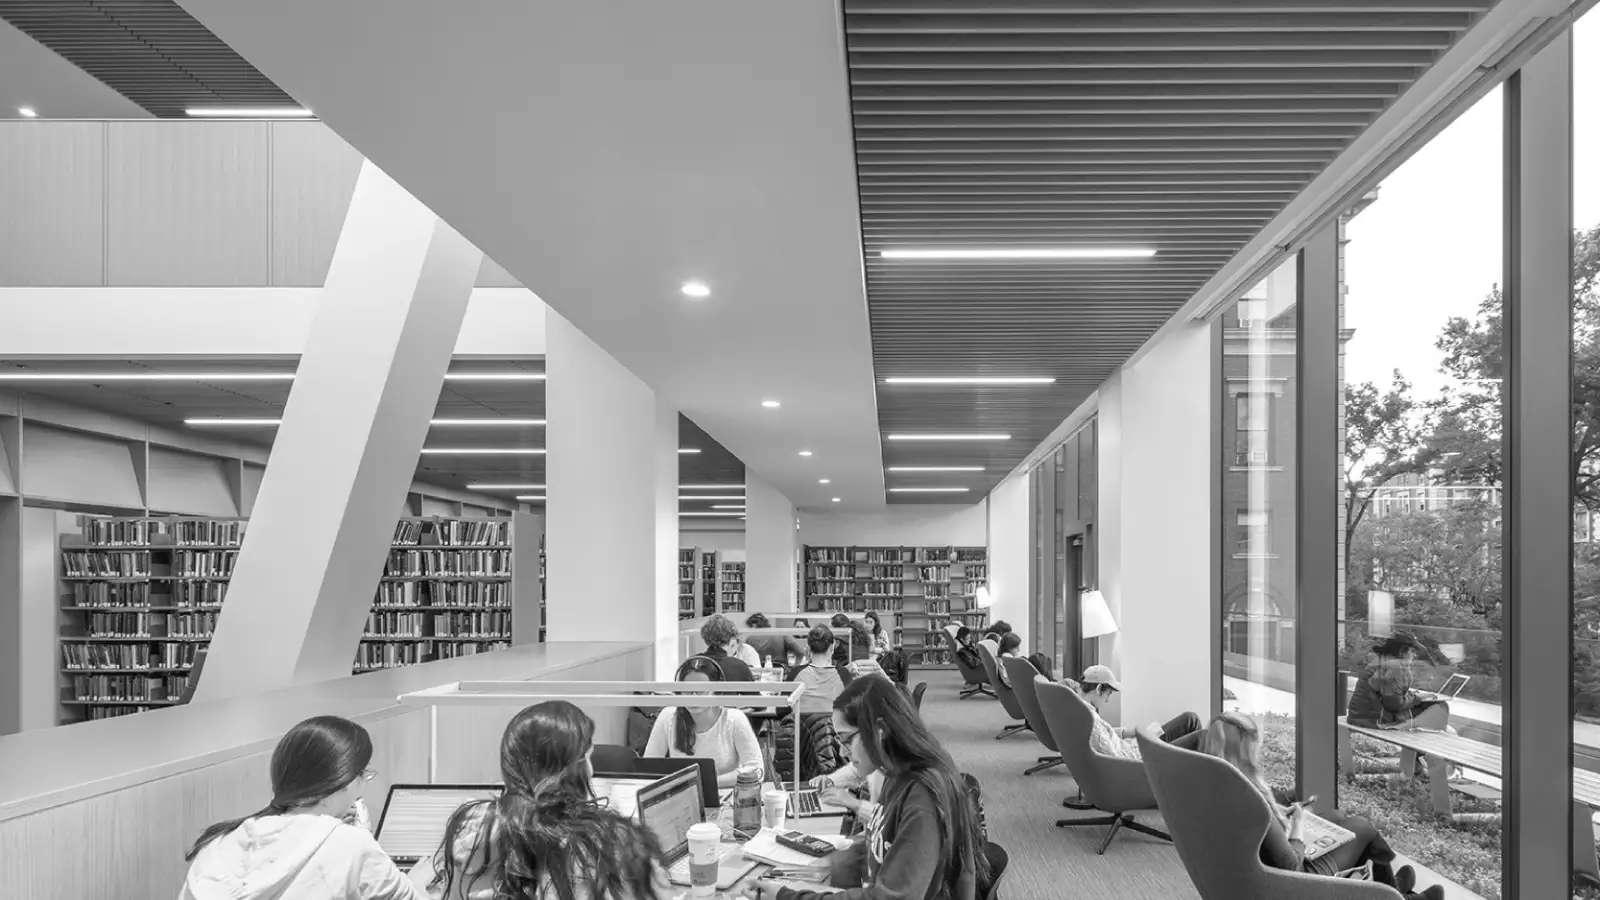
[[1440, 750]]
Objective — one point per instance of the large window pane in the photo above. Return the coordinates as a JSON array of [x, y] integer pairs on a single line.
[[1422, 368], [1586, 438], [1258, 484]]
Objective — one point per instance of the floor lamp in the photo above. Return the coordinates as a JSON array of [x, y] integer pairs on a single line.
[[1094, 617]]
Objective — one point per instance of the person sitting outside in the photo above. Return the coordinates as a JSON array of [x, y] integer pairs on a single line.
[[823, 678], [1236, 739], [1385, 695], [1099, 686], [722, 642]]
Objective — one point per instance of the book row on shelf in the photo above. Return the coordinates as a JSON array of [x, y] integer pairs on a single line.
[[106, 564], [76, 657], [150, 625], [204, 563], [486, 594], [140, 532], [447, 624], [896, 555], [477, 563], [128, 688], [453, 532], [87, 595]]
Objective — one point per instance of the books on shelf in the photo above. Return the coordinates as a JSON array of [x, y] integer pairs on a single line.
[[466, 563], [106, 564], [204, 563]]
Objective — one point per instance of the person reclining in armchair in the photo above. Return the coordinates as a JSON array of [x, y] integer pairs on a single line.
[[1099, 686]]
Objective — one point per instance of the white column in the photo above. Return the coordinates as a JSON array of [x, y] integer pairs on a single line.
[[771, 544], [347, 449], [1010, 555], [611, 513]]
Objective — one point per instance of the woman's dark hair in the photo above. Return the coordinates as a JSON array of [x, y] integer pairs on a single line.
[[1010, 641], [1395, 646], [897, 742], [1001, 627], [801, 623], [962, 633], [683, 721], [1043, 664], [718, 631], [757, 620], [313, 760], [860, 640], [819, 638], [839, 620], [545, 828], [877, 622]]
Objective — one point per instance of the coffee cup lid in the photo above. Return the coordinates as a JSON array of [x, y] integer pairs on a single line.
[[705, 831]]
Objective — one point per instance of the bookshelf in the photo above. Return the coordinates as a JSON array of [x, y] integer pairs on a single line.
[[918, 590], [139, 597], [688, 576], [709, 602], [730, 587]]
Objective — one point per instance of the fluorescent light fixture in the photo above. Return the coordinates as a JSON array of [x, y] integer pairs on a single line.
[[970, 436], [248, 112], [242, 423], [710, 487], [805, 452], [485, 423], [824, 481], [771, 404], [1023, 253], [976, 379], [928, 490], [695, 289], [27, 112], [727, 506], [146, 376], [481, 486], [936, 468], [688, 449], [737, 515], [836, 499], [712, 497], [535, 498], [484, 451], [494, 376]]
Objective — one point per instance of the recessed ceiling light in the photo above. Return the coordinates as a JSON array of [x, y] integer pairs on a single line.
[[975, 436], [696, 289], [928, 490], [531, 497], [805, 452], [836, 499], [980, 379], [727, 506], [27, 112], [688, 449], [936, 468], [481, 486], [715, 497], [486, 423], [1023, 253], [248, 112], [824, 481], [710, 487], [736, 515], [484, 451], [771, 404]]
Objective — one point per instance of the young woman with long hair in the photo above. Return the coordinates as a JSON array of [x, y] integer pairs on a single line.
[[310, 840], [922, 841], [719, 733], [545, 838], [880, 636], [1236, 739]]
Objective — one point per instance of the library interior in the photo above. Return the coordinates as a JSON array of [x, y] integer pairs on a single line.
[[931, 449]]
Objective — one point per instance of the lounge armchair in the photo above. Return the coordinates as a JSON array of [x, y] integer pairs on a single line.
[[1007, 698], [1023, 675], [973, 680]]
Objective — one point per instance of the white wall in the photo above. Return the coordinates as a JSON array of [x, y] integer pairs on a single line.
[[771, 547], [1010, 554], [906, 525], [1155, 520]]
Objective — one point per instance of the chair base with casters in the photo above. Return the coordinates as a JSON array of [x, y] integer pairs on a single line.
[[1117, 823], [972, 690], [1045, 762]]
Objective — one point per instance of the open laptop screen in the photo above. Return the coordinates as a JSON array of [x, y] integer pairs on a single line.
[[669, 807], [415, 815]]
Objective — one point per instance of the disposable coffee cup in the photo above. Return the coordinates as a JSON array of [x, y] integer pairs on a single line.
[[773, 804], [704, 838]]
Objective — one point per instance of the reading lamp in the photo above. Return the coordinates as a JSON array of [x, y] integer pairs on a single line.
[[984, 598], [1095, 614]]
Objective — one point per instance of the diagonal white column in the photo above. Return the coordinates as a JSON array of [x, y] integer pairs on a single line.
[[771, 544], [347, 449], [611, 513]]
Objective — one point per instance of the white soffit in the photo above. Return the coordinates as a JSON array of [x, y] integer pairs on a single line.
[[605, 153]]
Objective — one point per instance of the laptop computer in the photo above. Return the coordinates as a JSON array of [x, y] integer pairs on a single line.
[[668, 807], [414, 816], [1452, 686], [710, 794], [619, 791], [805, 801]]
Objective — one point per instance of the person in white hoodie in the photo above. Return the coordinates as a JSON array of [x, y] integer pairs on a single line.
[[312, 839]]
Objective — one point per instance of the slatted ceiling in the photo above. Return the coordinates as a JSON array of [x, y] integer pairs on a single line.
[[1182, 125], [150, 51], [714, 464]]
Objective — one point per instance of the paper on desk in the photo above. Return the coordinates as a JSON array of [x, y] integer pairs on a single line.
[[765, 847]]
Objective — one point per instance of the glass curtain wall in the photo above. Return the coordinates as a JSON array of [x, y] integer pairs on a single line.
[[1062, 505], [1257, 459], [1586, 445], [1422, 361]]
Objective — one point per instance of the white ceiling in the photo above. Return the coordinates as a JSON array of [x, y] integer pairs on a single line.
[[33, 75], [604, 153]]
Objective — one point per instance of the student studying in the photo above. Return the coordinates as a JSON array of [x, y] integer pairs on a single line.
[[722, 734]]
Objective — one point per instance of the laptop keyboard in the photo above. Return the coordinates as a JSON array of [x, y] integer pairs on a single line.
[[678, 872], [805, 803]]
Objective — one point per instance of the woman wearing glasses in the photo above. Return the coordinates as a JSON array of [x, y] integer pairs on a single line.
[[312, 839]]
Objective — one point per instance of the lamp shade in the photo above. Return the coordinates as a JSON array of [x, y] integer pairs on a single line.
[[984, 598], [1095, 614]]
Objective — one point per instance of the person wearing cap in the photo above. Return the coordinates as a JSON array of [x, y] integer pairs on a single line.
[[1385, 695], [1099, 686]]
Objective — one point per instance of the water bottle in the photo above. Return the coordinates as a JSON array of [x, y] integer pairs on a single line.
[[747, 800]]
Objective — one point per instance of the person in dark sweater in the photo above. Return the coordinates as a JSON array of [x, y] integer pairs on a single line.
[[721, 637], [783, 651], [922, 842]]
